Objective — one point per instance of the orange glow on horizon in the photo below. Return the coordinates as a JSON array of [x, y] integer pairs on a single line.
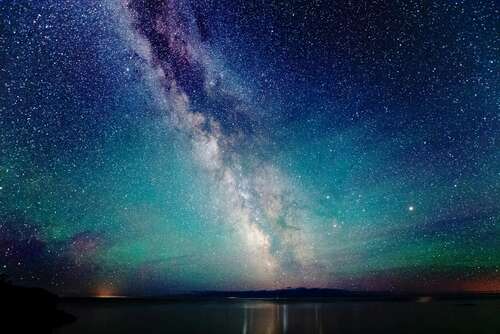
[[107, 292], [489, 285]]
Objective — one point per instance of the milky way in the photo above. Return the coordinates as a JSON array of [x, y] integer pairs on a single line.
[[257, 201], [152, 146]]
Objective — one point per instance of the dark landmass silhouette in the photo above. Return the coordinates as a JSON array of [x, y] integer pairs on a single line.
[[289, 293], [30, 310], [299, 295]]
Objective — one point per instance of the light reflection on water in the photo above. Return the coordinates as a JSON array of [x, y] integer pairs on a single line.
[[264, 317], [272, 318]]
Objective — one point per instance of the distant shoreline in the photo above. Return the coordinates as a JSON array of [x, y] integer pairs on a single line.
[[292, 295]]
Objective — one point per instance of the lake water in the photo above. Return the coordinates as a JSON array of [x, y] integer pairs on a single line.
[[263, 317]]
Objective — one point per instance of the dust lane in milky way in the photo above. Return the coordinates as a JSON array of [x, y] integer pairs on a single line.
[[156, 146], [255, 199]]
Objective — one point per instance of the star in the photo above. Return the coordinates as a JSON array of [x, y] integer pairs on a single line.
[[213, 144]]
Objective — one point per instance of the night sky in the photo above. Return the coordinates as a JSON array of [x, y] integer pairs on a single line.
[[157, 146]]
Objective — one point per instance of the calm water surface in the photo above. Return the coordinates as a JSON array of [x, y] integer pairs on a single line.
[[265, 317]]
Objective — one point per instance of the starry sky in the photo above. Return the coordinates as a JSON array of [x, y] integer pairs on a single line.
[[158, 146]]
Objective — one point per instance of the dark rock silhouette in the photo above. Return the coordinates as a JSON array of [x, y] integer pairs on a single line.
[[29, 310]]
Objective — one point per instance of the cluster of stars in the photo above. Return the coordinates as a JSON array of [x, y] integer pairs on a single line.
[[150, 146]]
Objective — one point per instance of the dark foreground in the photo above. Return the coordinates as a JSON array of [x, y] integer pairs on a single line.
[[254, 316], [29, 310]]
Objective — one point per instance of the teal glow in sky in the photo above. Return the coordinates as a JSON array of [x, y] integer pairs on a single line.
[[158, 146]]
